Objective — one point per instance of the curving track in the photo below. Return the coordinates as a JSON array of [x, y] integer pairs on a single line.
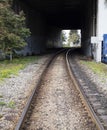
[[55, 103], [84, 95]]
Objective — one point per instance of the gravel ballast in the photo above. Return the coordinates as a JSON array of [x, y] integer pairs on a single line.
[[15, 91], [58, 105], [94, 86], [98, 82]]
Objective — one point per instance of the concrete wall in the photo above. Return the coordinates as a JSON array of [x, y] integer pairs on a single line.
[[54, 39], [42, 35], [89, 27], [87, 30], [101, 18], [37, 24]]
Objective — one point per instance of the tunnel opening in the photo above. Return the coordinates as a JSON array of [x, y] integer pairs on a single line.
[[71, 38]]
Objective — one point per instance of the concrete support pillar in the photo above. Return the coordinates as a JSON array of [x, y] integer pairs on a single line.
[[87, 31], [101, 18], [101, 26], [89, 27]]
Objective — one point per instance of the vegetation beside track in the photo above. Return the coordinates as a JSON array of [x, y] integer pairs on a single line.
[[8, 68], [97, 68]]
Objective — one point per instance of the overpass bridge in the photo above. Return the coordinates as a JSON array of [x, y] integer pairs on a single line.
[[46, 19]]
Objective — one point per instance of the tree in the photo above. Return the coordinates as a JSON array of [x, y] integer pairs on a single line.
[[13, 31], [73, 37], [64, 36]]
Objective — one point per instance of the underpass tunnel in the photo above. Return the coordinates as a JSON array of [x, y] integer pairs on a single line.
[[46, 19]]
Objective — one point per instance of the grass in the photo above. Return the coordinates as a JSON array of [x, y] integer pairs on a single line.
[[97, 68], [11, 104], [2, 103], [8, 68], [1, 116], [1, 96]]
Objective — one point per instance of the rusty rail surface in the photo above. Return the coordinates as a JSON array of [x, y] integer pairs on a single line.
[[89, 108]]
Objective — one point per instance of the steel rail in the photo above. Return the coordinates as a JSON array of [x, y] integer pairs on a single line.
[[89, 108], [34, 93]]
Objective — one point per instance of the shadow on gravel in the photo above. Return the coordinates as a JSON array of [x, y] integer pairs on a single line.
[[88, 82]]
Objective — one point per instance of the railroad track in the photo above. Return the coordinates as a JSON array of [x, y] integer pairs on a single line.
[[53, 103], [91, 96], [99, 124]]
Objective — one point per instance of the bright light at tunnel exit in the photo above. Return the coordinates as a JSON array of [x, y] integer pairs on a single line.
[[73, 40]]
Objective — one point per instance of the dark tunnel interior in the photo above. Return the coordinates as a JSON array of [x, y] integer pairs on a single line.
[[47, 18], [61, 13]]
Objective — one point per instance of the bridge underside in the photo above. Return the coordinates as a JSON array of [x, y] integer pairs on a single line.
[[47, 18]]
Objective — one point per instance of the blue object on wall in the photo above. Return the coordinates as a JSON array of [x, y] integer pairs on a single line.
[[104, 48]]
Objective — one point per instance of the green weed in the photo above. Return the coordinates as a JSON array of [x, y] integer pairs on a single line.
[[8, 68], [11, 104], [1, 116], [97, 68], [2, 103], [1, 96]]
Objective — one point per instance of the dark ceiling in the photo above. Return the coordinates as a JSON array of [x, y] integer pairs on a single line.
[[60, 13], [54, 6]]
